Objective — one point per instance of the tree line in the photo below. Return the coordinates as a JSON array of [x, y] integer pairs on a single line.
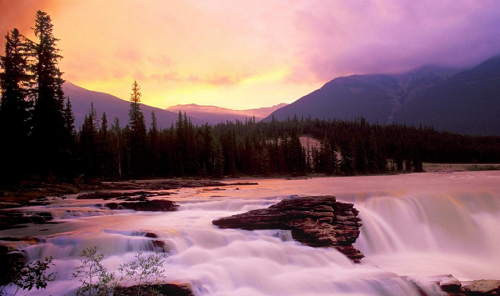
[[39, 140]]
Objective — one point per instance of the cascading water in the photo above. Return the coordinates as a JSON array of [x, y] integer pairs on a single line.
[[414, 227]]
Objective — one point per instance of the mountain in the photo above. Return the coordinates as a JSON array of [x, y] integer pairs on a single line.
[[213, 115], [468, 102], [376, 97], [81, 98]]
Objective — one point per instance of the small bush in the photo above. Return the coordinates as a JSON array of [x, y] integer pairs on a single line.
[[94, 278], [144, 272], [31, 275]]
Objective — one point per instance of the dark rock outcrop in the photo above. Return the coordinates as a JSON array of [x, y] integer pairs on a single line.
[[108, 195], [162, 289], [316, 221], [454, 287], [149, 205], [13, 219]]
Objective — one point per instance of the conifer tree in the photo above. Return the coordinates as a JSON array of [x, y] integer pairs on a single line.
[[90, 144], [69, 145], [154, 146], [347, 161], [14, 108], [116, 148], [137, 127], [48, 114]]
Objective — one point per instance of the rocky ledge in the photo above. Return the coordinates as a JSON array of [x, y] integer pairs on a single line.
[[148, 205], [316, 221], [161, 289], [16, 219], [454, 287]]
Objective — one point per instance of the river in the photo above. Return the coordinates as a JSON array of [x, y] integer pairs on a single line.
[[415, 227]]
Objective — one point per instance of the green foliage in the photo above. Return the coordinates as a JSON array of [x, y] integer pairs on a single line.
[[94, 278], [31, 275], [144, 272]]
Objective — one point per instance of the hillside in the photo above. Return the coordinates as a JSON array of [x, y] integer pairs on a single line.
[[81, 98], [468, 102], [214, 115], [377, 98]]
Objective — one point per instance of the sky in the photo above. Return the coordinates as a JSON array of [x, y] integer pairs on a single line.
[[243, 54]]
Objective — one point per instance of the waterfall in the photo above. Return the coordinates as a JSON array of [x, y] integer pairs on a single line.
[[408, 236]]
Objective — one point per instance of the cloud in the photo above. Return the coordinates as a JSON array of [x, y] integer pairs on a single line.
[[20, 14], [358, 37]]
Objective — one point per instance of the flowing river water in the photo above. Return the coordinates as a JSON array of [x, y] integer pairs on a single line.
[[415, 227]]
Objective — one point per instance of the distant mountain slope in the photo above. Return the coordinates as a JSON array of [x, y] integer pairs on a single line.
[[81, 98], [468, 102], [342, 98], [214, 115], [375, 97]]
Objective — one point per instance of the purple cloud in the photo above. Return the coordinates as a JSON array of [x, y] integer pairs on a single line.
[[391, 36]]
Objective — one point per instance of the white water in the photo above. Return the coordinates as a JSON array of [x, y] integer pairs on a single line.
[[415, 226]]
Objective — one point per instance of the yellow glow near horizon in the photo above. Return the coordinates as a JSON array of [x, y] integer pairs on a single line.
[[247, 54], [179, 52]]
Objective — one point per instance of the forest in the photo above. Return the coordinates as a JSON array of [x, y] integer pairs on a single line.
[[40, 142]]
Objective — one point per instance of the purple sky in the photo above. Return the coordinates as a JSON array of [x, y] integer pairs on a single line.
[[357, 37], [246, 54]]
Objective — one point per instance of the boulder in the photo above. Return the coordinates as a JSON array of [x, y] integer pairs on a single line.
[[316, 221], [148, 205]]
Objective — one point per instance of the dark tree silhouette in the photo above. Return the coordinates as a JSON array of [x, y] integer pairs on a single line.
[[137, 134], [14, 108], [48, 114]]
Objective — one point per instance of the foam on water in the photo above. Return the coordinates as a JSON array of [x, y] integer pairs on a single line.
[[414, 226]]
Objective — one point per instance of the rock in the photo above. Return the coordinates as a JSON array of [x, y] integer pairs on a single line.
[[162, 289], [6, 205], [149, 205], [481, 287], [12, 262], [243, 183], [450, 284], [316, 221], [454, 287], [108, 195], [41, 217], [12, 219]]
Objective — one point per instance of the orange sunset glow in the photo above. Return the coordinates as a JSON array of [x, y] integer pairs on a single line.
[[247, 54]]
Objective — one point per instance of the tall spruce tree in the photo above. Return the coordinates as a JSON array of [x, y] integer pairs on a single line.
[[14, 108], [49, 131], [137, 127]]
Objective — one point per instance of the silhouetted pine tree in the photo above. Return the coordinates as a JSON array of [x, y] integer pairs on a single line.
[[14, 109], [137, 134], [154, 147], [69, 169], [347, 161], [116, 147], [89, 145], [48, 114]]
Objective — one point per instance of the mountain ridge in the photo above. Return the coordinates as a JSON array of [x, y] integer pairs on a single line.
[[81, 99], [457, 100], [214, 114]]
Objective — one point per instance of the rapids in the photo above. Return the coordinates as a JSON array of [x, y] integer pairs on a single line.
[[415, 227]]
